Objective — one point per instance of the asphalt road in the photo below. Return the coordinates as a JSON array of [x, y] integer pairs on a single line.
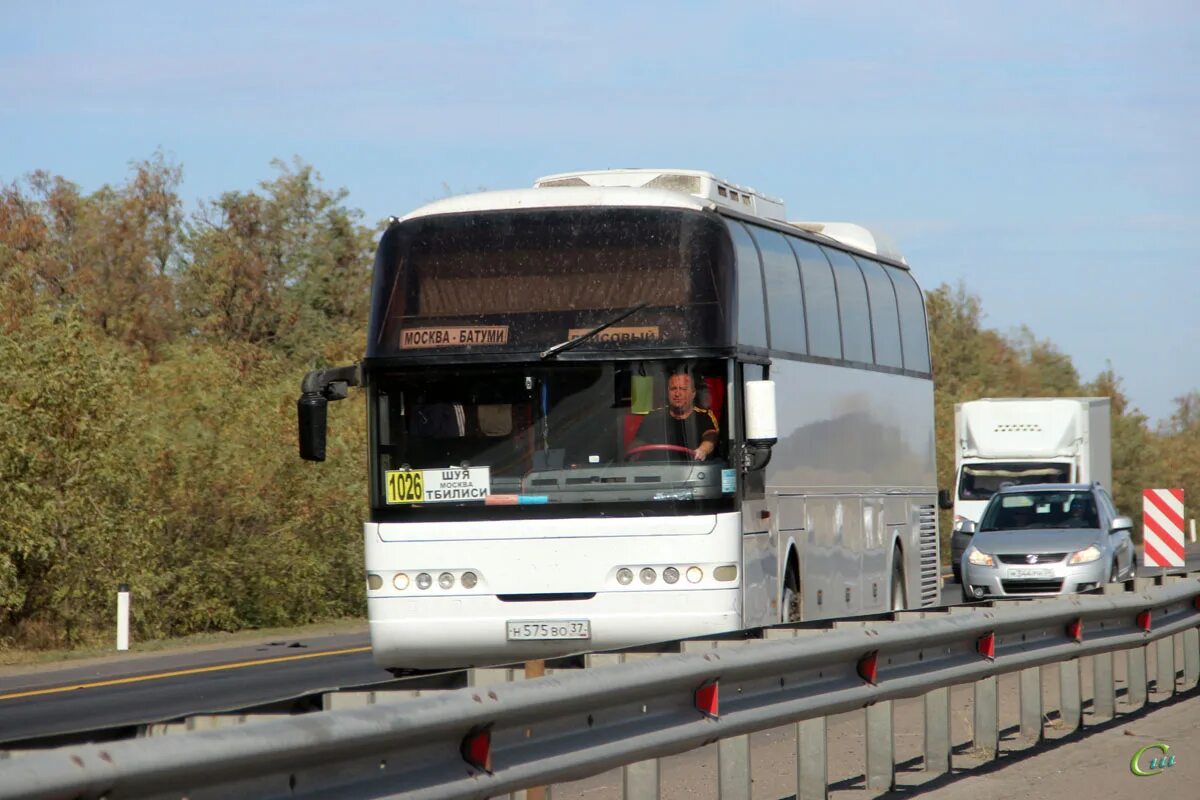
[[138, 689]]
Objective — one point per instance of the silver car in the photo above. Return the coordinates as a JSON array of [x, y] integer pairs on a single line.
[[1046, 539]]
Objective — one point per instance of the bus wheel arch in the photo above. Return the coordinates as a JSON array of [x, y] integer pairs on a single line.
[[792, 605], [897, 594]]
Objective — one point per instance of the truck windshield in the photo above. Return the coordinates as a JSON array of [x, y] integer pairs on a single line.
[[1026, 510], [981, 481], [512, 440]]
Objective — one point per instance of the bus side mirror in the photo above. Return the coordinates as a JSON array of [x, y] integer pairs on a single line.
[[316, 390], [761, 431], [311, 411], [760, 413], [945, 502]]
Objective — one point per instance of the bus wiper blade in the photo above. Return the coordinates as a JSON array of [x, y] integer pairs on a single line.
[[583, 337]]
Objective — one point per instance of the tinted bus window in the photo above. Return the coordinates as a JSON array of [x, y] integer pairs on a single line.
[[751, 321], [785, 304], [820, 300], [521, 280], [852, 305], [885, 322], [912, 320]]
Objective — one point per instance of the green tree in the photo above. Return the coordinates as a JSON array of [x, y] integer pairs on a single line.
[[287, 268], [1177, 457], [104, 255], [252, 535], [76, 519]]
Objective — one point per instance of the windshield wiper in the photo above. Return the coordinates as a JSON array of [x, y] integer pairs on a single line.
[[570, 344]]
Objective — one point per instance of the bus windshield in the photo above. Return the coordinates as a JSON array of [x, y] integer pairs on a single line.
[[624, 438]]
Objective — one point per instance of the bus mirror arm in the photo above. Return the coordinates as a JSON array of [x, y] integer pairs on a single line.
[[316, 390], [333, 383], [756, 454]]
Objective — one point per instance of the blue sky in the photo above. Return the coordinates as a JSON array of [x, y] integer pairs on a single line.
[[1043, 154]]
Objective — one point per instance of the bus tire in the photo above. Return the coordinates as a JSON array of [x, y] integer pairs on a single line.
[[898, 597]]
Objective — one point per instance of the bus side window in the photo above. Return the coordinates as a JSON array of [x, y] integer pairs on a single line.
[[785, 304], [853, 308], [912, 320], [751, 310], [820, 300], [885, 321]]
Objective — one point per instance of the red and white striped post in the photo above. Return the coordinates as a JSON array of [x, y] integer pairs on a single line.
[[1162, 528]]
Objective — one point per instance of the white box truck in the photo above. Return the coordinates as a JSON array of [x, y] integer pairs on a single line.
[[1002, 441]]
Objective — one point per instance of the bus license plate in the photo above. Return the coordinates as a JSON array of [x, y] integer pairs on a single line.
[[526, 630], [1031, 572]]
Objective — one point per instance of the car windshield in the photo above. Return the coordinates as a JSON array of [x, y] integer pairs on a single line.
[[981, 481], [624, 437], [1014, 511]]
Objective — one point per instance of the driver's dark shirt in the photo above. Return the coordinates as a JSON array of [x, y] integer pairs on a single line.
[[660, 427]]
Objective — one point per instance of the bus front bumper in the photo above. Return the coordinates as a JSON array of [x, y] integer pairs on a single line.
[[437, 632]]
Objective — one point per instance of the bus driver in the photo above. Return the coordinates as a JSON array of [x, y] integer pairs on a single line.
[[682, 423]]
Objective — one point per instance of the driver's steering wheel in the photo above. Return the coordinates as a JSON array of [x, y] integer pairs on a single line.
[[650, 448]]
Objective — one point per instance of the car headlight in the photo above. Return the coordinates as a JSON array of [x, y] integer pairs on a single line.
[[980, 558], [1085, 556]]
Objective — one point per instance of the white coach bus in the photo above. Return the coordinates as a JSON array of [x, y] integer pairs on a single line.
[[630, 406]]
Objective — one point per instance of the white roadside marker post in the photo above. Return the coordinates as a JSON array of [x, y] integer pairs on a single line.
[[123, 616]]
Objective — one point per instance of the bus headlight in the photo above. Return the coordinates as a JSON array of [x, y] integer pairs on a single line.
[[424, 581], [648, 576], [726, 573], [374, 581], [469, 579], [400, 581], [446, 580], [624, 576], [695, 574], [670, 575]]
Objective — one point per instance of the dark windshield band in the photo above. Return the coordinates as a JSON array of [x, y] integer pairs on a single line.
[[528, 279]]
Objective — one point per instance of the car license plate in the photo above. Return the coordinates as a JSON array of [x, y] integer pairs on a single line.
[[1030, 572], [535, 629]]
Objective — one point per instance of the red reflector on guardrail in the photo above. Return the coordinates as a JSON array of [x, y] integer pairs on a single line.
[[708, 700], [868, 667], [477, 749], [1196, 602], [1144, 620], [1075, 630], [986, 646]]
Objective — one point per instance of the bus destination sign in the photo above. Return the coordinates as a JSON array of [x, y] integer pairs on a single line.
[[449, 485], [453, 336], [647, 333]]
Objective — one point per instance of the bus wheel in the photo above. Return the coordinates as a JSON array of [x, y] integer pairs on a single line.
[[899, 598], [791, 599]]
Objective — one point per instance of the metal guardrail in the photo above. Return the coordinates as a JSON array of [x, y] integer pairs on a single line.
[[487, 741]]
